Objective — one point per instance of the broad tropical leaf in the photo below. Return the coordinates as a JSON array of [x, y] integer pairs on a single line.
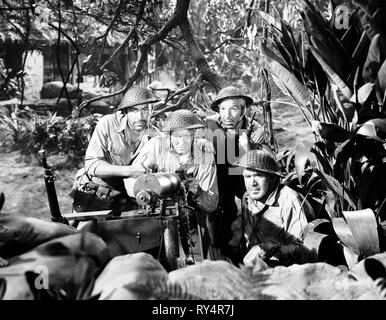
[[336, 187], [274, 65], [360, 50], [330, 131], [322, 161], [344, 105], [323, 38], [269, 19], [344, 233], [375, 56], [382, 77], [334, 77], [280, 85], [363, 226], [329, 203], [302, 154], [363, 93]]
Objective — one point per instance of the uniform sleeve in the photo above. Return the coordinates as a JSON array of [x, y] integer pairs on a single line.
[[145, 157], [207, 176], [97, 148]]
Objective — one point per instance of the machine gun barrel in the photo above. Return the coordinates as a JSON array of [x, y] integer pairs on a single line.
[[49, 180]]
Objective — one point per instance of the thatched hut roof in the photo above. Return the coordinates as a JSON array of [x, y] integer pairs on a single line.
[[14, 32]]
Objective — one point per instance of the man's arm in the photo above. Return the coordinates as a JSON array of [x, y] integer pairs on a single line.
[[207, 198], [145, 157], [97, 159], [294, 216], [294, 221]]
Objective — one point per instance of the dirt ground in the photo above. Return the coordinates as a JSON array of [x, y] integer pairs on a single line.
[[22, 180]]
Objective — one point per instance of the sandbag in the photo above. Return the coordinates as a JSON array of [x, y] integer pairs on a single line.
[[68, 263], [312, 281], [19, 234], [130, 277]]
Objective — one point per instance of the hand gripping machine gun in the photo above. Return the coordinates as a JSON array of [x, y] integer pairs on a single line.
[[160, 226]]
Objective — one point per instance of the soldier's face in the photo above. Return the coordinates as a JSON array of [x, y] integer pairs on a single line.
[[259, 184], [182, 141], [231, 111], [138, 117]]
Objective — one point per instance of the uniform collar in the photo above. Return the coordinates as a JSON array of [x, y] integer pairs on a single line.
[[122, 122]]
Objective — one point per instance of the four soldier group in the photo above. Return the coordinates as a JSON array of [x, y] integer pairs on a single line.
[[227, 158]]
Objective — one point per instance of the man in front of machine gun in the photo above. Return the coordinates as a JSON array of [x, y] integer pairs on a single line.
[[232, 133], [179, 149], [116, 142]]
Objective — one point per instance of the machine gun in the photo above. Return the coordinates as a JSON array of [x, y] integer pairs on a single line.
[[49, 179], [163, 194]]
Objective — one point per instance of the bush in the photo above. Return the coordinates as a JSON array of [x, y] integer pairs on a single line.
[[29, 132]]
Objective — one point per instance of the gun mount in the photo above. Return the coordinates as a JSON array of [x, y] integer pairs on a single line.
[[49, 179], [163, 194]]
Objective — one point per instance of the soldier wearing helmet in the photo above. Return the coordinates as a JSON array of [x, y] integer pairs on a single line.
[[116, 142], [177, 148], [273, 216], [228, 130]]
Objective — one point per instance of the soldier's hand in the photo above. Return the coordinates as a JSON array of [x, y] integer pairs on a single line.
[[135, 171], [253, 259], [192, 186], [262, 251]]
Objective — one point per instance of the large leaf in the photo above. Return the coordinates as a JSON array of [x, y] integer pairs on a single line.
[[291, 46], [359, 53], [332, 75], [335, 186], [350, 256], [363, 93], [269, 19], [287, 56], [280, 85], [329, 202], [374, 129], [344, 233], [330, 131], [375, 57], [382, 77], [323, 38], [302, 154], [322, 160], [364, 228], [344, 105], [273, 64]]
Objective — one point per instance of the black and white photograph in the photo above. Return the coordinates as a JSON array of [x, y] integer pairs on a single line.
[[207, 150]]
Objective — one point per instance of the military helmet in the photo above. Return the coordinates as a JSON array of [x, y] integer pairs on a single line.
[[136, 96], [182, 119], [259, 160], [228, 93]]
